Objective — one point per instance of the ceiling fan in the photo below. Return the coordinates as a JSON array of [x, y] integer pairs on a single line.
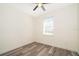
[[40, 5]]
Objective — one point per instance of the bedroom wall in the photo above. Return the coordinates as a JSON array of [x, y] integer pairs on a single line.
[[65, 28], [15, 28], [78, 24]]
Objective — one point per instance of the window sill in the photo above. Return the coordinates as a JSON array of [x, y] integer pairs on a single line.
[[48, 34]]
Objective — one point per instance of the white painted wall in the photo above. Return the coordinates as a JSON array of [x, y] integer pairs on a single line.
[[65, 32], [78, 24], [15, 28]]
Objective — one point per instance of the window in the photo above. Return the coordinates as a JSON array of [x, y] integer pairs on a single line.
[[48, 26]]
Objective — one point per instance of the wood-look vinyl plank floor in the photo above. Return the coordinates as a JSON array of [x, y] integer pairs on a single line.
[[39, 49]]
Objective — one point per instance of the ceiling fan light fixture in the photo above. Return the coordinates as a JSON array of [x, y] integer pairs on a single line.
[[40, 4]]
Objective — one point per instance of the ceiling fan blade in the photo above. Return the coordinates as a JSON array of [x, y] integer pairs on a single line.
[[35, 8], [43, 8], [45, 3]]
